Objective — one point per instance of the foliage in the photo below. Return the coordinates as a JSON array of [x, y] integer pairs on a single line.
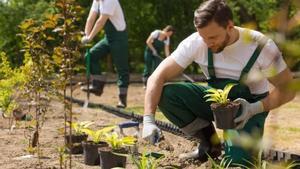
[[145, 161], [143, 17], [263, 164], [218, 95], [223, 164], [98, 135], [12, 14], [68, 34], [62, 155], [38, 66], [117, 142], [251, 12], [10, 80], [79, 126]]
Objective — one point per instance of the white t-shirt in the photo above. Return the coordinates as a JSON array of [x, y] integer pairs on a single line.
[[113, 9], [230, 62], [155, 35]]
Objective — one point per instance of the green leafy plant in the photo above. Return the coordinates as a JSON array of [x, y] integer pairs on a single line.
[[10, 79], [146, 161], [218, 95], [116, 142], [79, 126], [223, 164], [98, 135], [263, 164]]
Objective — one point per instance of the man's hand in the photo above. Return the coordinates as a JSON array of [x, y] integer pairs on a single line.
[[85, 39], [248, 110], [150, 131]]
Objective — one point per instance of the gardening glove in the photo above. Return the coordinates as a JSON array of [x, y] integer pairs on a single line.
[[85, 39], [248, 110], [154, 52], [150, 131]]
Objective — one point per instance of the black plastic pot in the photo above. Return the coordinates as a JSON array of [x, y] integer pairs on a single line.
[[76, 147], [110, 160], [224, 114], [91, 152]]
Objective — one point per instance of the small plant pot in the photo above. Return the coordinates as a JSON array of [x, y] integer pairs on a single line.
[[91, 152], [110, 160], [224, 114], [76, 147]]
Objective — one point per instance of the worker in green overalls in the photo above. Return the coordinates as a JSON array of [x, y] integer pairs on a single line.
[[115, 42], [157, 42], [226, 54]]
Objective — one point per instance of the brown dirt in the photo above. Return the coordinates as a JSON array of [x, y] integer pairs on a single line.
[[282, 127]]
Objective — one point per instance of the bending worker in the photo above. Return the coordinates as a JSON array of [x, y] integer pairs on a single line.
[[226, 54], [115, 42], [158, 41]]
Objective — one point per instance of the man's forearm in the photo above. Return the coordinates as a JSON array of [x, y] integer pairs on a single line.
[[277, 98], [98, 26], [88, 27], [153, 93]]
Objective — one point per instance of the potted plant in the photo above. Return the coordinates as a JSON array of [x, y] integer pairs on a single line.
[[223, 109], [77, 137], [113, 155], [146, 160], [90, 148]]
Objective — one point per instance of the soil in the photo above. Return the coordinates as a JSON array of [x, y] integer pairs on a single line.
[[13, 144]]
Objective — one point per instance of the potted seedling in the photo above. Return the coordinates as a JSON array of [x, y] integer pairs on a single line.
[[90, 148], [146, 160], [224, 110], [114, 155], [77, 137]]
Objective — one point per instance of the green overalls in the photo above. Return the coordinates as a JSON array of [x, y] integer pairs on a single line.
[[116, 43], [182, 103], [151, 61]]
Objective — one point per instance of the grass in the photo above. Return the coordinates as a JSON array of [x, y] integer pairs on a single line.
[[284, 129]]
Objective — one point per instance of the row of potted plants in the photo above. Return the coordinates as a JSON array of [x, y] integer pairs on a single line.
[[103, 147]]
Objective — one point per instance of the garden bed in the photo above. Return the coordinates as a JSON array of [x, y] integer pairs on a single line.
[[281, 124]]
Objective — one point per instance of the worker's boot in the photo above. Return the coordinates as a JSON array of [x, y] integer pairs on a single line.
[[122, 98], [210, 145], [96, 87]]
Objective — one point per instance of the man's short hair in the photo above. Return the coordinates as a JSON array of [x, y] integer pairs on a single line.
[[212, 10]]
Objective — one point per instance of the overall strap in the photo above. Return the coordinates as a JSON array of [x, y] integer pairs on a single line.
[[210, 66], [247, 68]]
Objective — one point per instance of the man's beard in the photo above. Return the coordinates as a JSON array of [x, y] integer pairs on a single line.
[[223, 45]]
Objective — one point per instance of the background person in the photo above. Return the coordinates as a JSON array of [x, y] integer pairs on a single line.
[[115, 42], [158, 41]]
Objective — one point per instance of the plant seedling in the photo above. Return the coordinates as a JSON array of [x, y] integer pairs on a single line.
[[80, 126], [224, 110], [98, 135], [218, 95], [116, 142]]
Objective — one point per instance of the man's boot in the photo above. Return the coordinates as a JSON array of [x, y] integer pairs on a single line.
[[209, 144], [122, 98], [212, 141], [96, 87]]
